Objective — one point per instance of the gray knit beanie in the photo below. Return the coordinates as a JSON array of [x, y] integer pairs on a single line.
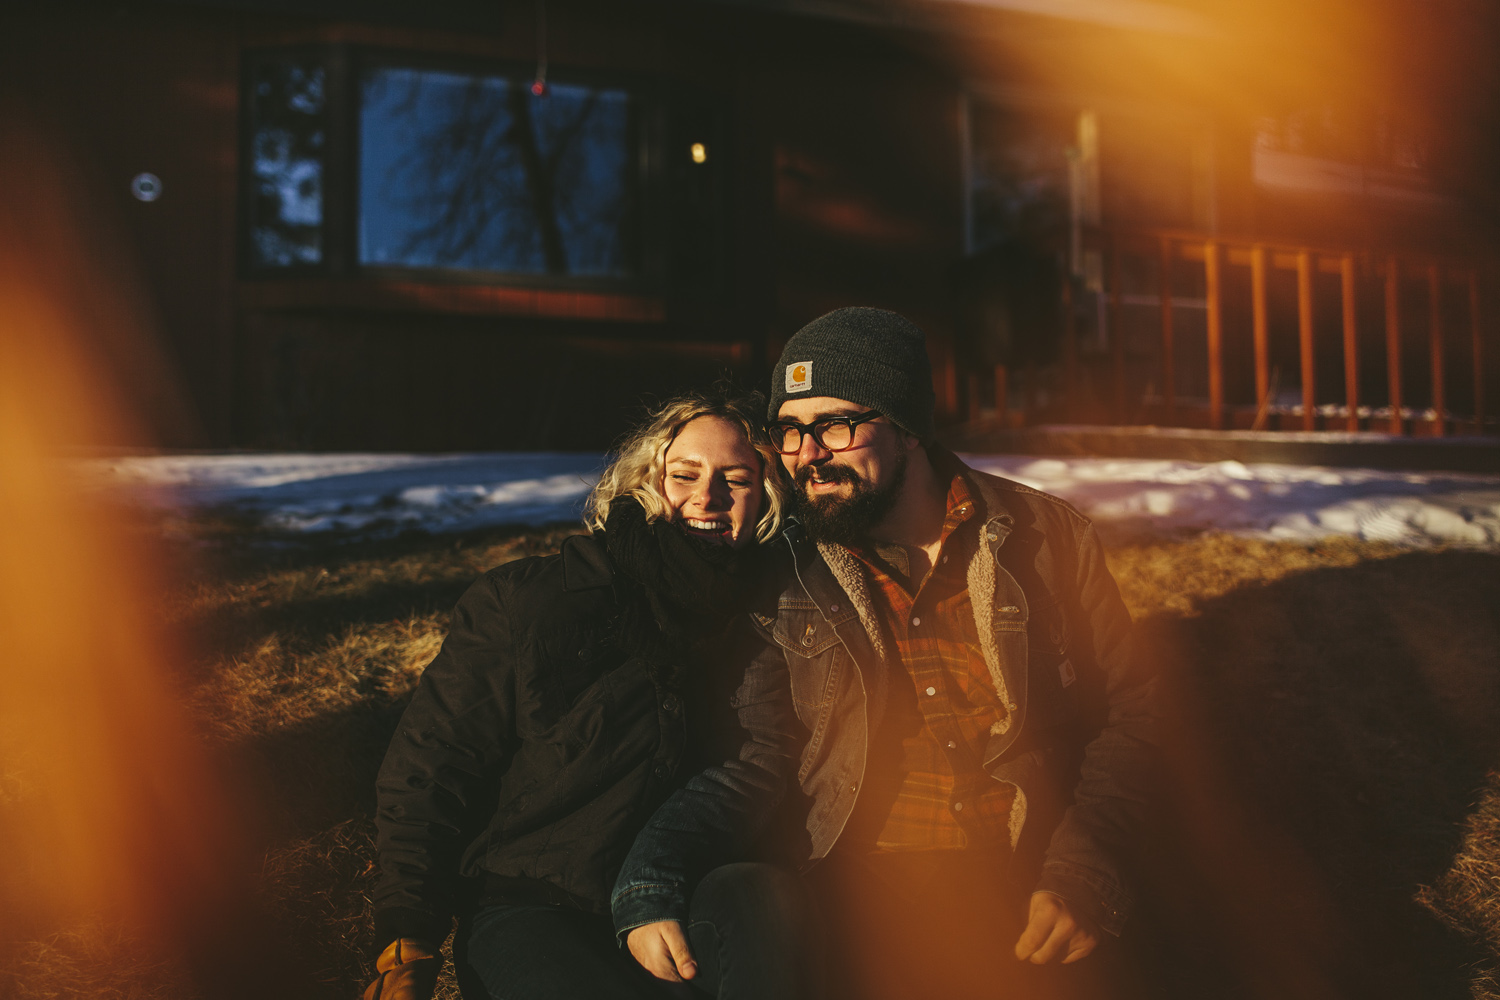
[[872, 357]]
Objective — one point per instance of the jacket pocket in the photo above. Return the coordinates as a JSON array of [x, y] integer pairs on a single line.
[[1050, 670], [1047, 627], [811, 641]]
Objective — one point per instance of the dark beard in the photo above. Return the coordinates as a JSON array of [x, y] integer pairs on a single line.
[[847, 520]]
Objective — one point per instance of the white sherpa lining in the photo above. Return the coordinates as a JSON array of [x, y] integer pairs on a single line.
[[981, 579], [850, 574]]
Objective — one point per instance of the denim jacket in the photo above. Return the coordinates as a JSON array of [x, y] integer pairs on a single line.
[[1078, 744], [716, 816]]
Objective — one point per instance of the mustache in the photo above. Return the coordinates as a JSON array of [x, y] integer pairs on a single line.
[[829, 473]]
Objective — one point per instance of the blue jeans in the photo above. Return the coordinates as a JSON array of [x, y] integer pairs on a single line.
[[749, 927]]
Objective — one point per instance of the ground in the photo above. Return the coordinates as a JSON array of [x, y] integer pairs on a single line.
[[1331, 811]]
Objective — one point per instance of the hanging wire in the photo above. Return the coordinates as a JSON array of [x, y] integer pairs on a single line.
[[539, 85]]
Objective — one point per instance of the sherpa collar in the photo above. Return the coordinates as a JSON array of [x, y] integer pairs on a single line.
[[995, 526]]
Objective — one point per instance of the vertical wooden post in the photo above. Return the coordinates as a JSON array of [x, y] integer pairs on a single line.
[[1435, 346], [1351, 342], [1215, 337], [1305, 338], [1117, 329], [1069, 349], [1478, 342], [1002, 395], [1168, 359], [1262, 340], [1393, 340]]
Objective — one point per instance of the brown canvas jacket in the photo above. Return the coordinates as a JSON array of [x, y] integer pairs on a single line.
[[1079, 743]]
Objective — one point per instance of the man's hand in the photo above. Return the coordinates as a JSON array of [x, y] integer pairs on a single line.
[[662, 949], [1054, 931], [408, 971]]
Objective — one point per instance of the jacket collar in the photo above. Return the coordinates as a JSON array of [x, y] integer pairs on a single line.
[[839, 571], [586, 564], [999, 519], [828, 584]]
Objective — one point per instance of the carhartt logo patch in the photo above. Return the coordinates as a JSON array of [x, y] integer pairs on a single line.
[[1066, 674], [799, 376]]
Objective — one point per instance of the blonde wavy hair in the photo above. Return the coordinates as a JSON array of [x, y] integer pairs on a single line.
[[637, 467]]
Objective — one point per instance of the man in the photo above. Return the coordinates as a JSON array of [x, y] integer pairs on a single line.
[[979, 740]]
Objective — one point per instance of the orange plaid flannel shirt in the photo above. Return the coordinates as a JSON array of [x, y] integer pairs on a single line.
[[925, 784]]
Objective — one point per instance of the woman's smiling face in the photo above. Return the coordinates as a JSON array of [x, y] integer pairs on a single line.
[[713, 482]]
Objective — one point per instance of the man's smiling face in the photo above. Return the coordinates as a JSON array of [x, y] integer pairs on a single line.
[[842, 495]]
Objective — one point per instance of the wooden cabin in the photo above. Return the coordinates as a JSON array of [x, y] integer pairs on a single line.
[[504, 224]]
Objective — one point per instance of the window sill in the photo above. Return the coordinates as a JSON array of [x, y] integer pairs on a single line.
[[471, 300]]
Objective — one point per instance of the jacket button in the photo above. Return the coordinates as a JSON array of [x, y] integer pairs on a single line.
[[661, 770], [834, 608], [854, 788], [669, 703], [992, 536]]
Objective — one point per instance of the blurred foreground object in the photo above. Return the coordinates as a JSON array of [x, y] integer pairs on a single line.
[[109, 811]]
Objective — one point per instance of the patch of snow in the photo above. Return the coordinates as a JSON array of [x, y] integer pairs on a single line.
[[360, 494], [364, 495], [1173, 498]]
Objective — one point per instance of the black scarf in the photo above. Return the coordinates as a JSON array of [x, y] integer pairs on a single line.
[[675, 591]]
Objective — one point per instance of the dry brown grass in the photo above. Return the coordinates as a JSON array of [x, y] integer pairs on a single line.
[[93, 959], [1331, 727], [1175, 578], [1338, 698], [1467, 896]]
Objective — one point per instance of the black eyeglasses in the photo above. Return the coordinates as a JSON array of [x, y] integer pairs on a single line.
[[831, 433]]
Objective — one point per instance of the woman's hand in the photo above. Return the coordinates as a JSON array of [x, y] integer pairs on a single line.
[[408, 971], [662, 949]]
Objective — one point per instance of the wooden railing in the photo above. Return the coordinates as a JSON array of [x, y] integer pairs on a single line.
[[1218, 254]]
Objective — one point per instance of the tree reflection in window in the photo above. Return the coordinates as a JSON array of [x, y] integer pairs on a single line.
[[476, 172], [288, 122]]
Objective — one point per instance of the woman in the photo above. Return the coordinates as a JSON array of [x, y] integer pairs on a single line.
[[610, 700]]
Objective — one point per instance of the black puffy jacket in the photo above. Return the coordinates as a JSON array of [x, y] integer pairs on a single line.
[[534, 750]]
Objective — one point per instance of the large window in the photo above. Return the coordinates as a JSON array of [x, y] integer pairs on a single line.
[[363, 162], [479, 173]]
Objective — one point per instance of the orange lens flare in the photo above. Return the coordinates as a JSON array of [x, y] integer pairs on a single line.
[[108, 807]]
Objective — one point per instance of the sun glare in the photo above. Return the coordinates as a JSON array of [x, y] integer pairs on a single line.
[[108, 807]]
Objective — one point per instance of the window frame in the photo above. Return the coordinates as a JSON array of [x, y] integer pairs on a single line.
[[346, 66]]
